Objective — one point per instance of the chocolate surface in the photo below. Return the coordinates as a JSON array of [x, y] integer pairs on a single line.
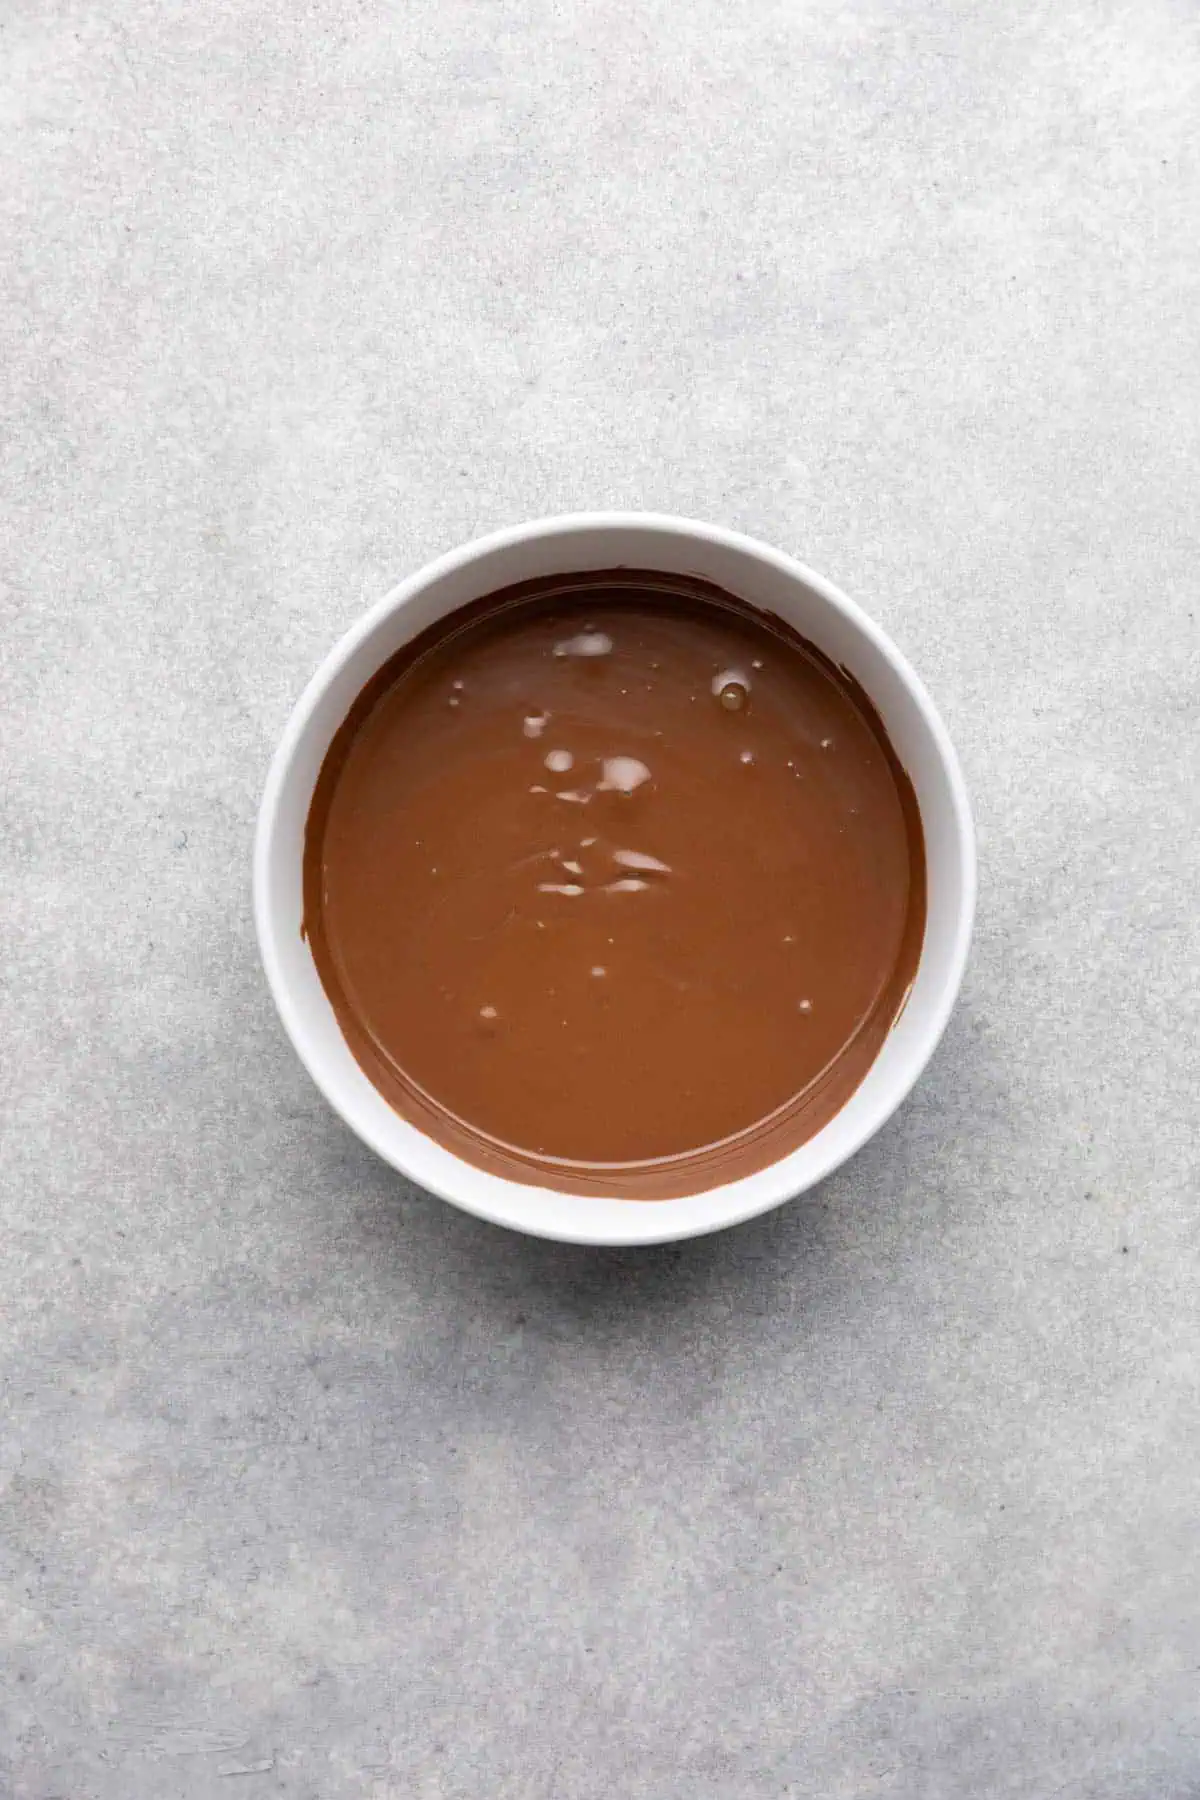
[[614, 884]]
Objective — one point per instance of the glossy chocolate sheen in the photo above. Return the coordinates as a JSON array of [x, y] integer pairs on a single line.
[[615, 885]]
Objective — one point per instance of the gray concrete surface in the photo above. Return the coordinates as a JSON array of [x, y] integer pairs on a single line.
[[309, 1487]]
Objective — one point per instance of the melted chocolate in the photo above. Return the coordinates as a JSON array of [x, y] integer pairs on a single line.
[[614, 884]]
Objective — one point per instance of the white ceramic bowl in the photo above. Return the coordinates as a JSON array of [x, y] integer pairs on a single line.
[[765, 578]]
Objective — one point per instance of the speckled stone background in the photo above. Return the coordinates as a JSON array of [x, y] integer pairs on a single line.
[[308, 1486]]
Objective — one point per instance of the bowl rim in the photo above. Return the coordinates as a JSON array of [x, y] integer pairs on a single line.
[[658, 1222]]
